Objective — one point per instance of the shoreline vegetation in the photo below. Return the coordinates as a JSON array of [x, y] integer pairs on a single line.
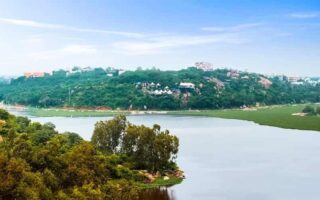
[[121, 161], [282, 116]]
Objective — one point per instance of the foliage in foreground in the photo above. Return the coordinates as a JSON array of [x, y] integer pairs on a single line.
[[37, 162]]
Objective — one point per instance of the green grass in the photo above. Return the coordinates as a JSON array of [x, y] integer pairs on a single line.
[[38, 112], [278, 116], [159, 182]]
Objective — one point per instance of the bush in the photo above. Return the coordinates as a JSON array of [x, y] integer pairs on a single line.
[[309, 110], [318, 110]]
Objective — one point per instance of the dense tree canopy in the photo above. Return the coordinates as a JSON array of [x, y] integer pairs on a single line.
[[221, 88], [149, 148], [37, 162]]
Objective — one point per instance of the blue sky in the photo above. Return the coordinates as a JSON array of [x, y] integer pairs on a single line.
[[272, 37]]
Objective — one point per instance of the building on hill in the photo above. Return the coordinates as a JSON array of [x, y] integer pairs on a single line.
[[121, 71], [233, 74], [205, 66], [186, 85], [266, 83], [219, 84], [87, 69], [34, 74], [294, 79]]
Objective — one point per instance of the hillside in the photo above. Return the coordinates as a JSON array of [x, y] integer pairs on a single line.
[[154, 89]]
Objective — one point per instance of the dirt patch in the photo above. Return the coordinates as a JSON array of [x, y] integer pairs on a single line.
[[299, 114]]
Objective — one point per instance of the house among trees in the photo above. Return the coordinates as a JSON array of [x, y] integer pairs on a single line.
[[186, 85], [205, 66], [266, 83], [233, 74], [219, 84], [34, 74]]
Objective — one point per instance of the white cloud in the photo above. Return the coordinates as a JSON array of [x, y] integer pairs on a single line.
[[44, 55], [35, 41], [305, 15], [69, 50], [35, 24], [79, 50], [155, 45], [235, 28]]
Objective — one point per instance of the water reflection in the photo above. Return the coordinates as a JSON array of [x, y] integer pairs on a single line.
[[157, 194]]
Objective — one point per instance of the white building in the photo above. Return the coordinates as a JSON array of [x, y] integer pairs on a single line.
[[187, 85]]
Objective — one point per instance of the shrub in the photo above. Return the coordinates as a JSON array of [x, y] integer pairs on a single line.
[[309, 110]]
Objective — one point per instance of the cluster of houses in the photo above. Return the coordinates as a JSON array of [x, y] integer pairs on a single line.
[[75, 70], [34, 74], [157, 89], [110, 70], [218, 83], [303, 80], [266, 83], [293, 80], [205, 66]]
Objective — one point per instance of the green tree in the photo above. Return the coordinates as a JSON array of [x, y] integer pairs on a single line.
[[44, 133], [36, 162], [107, 135], [151, 148], [309, 110], [84, 165], [120, 190], [17, 181], [318, 110]]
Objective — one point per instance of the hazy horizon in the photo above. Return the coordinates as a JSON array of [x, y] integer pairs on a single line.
[[264, 37]]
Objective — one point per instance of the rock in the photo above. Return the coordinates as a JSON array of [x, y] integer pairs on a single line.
[[166, 178], [179, 174], [150, 177]]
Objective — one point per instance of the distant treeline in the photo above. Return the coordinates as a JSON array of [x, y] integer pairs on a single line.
[[154, 89]]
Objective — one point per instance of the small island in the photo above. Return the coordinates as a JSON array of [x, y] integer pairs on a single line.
[[120, 161]]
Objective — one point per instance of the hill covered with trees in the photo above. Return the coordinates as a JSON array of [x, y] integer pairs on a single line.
[[37, 162], [154, 89]]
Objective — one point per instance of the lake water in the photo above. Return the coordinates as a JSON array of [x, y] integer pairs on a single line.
[[230, 159]]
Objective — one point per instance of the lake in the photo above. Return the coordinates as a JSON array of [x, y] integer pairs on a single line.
[[230, 159]]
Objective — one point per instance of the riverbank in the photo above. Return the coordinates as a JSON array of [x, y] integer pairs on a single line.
[[278, 116], [162, 182], [282, 116]]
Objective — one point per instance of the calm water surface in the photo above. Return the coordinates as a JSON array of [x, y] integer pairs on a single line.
[[230, 159]]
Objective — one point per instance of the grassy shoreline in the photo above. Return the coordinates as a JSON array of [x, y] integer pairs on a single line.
[[277, 116], [160, 182]]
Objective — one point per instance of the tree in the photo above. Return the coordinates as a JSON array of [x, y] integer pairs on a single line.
[[318, 110], [17, 181], [107, 135], [22, 147], [151, 148], [73, 138], [309, 110], [84, 165], [120, 190], [23, 123], [44, 133], [36, 162]]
